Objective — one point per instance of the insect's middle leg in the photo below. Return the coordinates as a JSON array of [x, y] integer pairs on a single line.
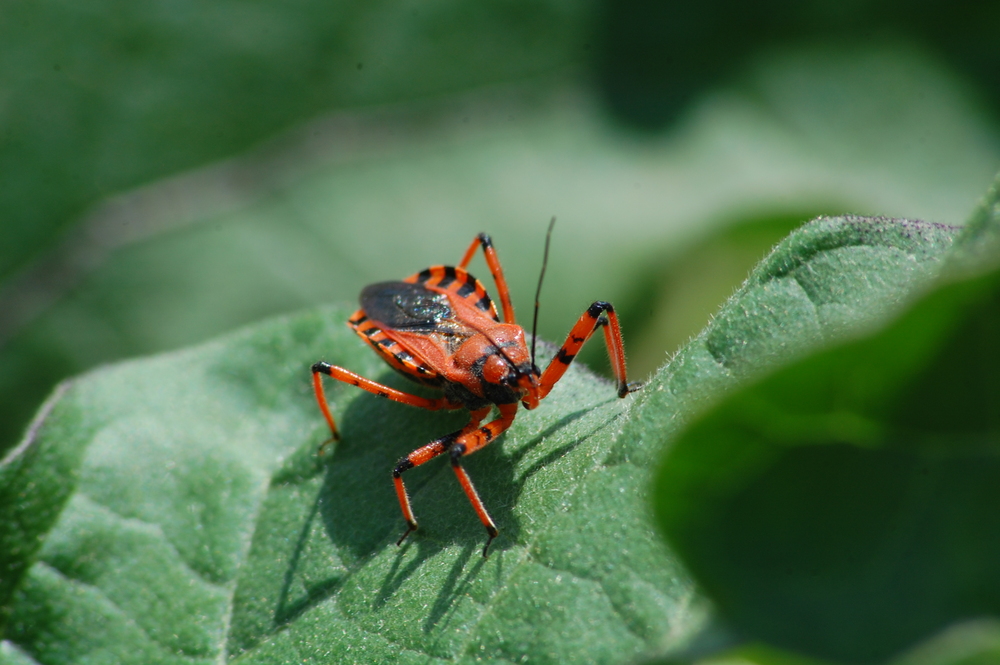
[[586, 326], [374, 387]]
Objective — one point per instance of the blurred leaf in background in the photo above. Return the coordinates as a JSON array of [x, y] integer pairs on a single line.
[[363, 142], [655, 56], [975, 642], [103, 97]]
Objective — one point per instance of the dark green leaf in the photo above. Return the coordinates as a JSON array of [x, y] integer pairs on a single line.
[[975, 642], [844, 506]]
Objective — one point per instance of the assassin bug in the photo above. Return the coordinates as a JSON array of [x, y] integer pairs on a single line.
[[441, 329]]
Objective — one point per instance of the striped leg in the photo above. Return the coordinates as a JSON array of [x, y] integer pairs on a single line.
[[373, 387], [469, 443], [588, 323], [425, 454], [484, 241]]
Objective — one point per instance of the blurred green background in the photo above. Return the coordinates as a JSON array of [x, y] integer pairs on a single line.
[[172, 170]]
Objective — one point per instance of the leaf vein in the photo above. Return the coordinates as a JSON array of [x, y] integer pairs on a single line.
[[154, 529], [113, 607]]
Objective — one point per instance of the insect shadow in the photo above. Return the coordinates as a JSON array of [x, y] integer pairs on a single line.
[[468, 564], [359, 507], [287, 608], [360, 511]]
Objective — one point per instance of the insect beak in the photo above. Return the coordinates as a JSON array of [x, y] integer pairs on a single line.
[[529, 383]]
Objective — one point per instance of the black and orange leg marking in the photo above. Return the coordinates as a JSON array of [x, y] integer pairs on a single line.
[[484, 241], [423, 455], [466, 445], [588, 323], [373, 387], [464, 442]]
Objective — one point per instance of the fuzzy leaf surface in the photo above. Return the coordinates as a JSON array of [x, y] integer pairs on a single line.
[[173, 509]]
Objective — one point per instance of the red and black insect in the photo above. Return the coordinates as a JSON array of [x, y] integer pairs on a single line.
[[440, 328]]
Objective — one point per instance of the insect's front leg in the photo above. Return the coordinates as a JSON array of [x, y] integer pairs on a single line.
[[373, 387], [587, 324], [469, 443], [423, 455]]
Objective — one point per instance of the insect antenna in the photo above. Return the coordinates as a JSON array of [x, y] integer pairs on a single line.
[[538, 291]]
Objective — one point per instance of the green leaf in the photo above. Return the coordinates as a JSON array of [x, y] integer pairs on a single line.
[[186, 515], [844, 506], [824, 281], [974, 642]]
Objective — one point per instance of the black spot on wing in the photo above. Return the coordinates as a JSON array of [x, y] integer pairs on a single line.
[[405, 306]]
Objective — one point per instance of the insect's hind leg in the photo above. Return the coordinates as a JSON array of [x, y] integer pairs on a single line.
[[423, 455], [484, 241], [599, 315], [373, 387]]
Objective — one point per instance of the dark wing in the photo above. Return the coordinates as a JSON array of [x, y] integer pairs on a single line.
[[407, 307]]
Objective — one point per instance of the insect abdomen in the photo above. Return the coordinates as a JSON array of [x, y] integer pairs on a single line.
[[393, 353]]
